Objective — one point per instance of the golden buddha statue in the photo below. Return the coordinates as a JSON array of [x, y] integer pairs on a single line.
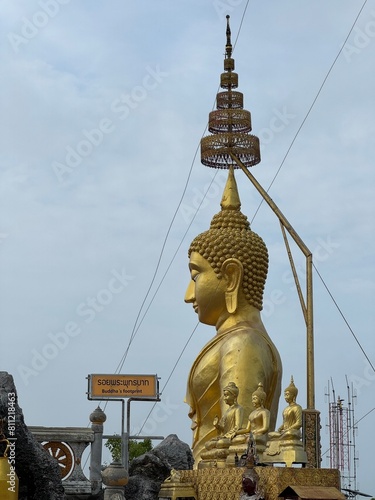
[[228, 266], [292, 416], [258, 424], [285, 445], [227, 426], [232, 419]]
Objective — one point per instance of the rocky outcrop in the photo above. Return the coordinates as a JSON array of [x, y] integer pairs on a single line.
[[38, 472], [148, 471]]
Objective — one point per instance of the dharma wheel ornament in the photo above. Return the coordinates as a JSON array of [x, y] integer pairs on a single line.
[[229, 124]]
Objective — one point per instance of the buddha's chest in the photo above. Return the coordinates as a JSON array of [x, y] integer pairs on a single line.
[[205, 375]]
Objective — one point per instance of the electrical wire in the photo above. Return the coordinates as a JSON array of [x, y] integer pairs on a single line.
[[352, 427], [287, 153], [133, 333], [170, 375], [311, 107], [241, 22], [173, 257], [343, 317], [135, 327], [136, 324]]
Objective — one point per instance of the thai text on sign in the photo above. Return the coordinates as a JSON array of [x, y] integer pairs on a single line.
[[123, 386]]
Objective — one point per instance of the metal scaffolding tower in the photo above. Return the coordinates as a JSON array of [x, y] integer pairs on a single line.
[[342, 433]]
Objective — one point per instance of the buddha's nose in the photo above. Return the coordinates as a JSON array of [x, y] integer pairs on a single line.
[[189, 295]]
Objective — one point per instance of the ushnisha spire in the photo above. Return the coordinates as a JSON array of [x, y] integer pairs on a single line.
[[229, 124], [230, 199]]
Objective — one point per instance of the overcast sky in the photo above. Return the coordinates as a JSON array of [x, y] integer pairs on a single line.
[[103, 105]]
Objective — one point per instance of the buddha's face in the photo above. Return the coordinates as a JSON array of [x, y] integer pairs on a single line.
[[229, 398], [256, 401], [205, 291], [289, 397]]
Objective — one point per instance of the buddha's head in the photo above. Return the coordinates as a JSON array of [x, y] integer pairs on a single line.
[[230, 392], [259, 396], [226, 261], [291, 392]]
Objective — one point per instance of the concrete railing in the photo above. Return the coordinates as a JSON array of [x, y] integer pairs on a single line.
[[67, 445]]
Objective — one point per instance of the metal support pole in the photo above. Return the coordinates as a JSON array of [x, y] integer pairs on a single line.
[[311, 417], [124, 439], [309, 303], [310, 336], [126, 465], [127, 433]]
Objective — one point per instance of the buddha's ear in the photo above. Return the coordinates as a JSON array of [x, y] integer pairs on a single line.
[[232, 272]]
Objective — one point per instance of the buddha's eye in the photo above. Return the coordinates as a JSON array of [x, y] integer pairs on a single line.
[[194, 276]]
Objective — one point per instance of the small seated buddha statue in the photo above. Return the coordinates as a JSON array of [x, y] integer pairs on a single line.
[[285, 445], [216, 449], [258, 425]]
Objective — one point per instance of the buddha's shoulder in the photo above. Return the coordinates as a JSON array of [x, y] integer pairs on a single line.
[[249, 340], [246, 335]]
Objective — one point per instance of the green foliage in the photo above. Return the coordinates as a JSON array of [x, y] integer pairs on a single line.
[[136, 447], [114, 446]]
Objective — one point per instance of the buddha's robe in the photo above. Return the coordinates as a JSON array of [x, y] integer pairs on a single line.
[[292, 422], [243, 355], [259, 425], [232, 419], [259, 421]]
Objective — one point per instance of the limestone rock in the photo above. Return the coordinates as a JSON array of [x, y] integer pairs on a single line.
[[38, 472], [148, 471], [151, 466], [175, 452], [142, 488]]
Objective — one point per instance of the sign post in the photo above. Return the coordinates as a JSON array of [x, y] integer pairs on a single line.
[[117, 387], [123, 386]]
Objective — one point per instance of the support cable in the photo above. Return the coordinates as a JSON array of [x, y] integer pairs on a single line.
[[170, 375], [354, 425], [136, 325], [344, 318], [311, 106], [172, 260]]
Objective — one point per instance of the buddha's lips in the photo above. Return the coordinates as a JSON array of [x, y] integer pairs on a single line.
[[195, 308]]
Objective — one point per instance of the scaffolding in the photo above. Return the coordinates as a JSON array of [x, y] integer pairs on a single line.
[[342, 434]]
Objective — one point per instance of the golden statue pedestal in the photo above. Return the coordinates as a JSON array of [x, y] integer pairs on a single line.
[[220, 459], [226, 484], [286, 452], [174, 490], [215, 463], [215, 454]]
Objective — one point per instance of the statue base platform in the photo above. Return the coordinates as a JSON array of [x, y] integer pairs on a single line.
[[217, 483], [228, 457], [173, 490], [216, 463], [284, 452]]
